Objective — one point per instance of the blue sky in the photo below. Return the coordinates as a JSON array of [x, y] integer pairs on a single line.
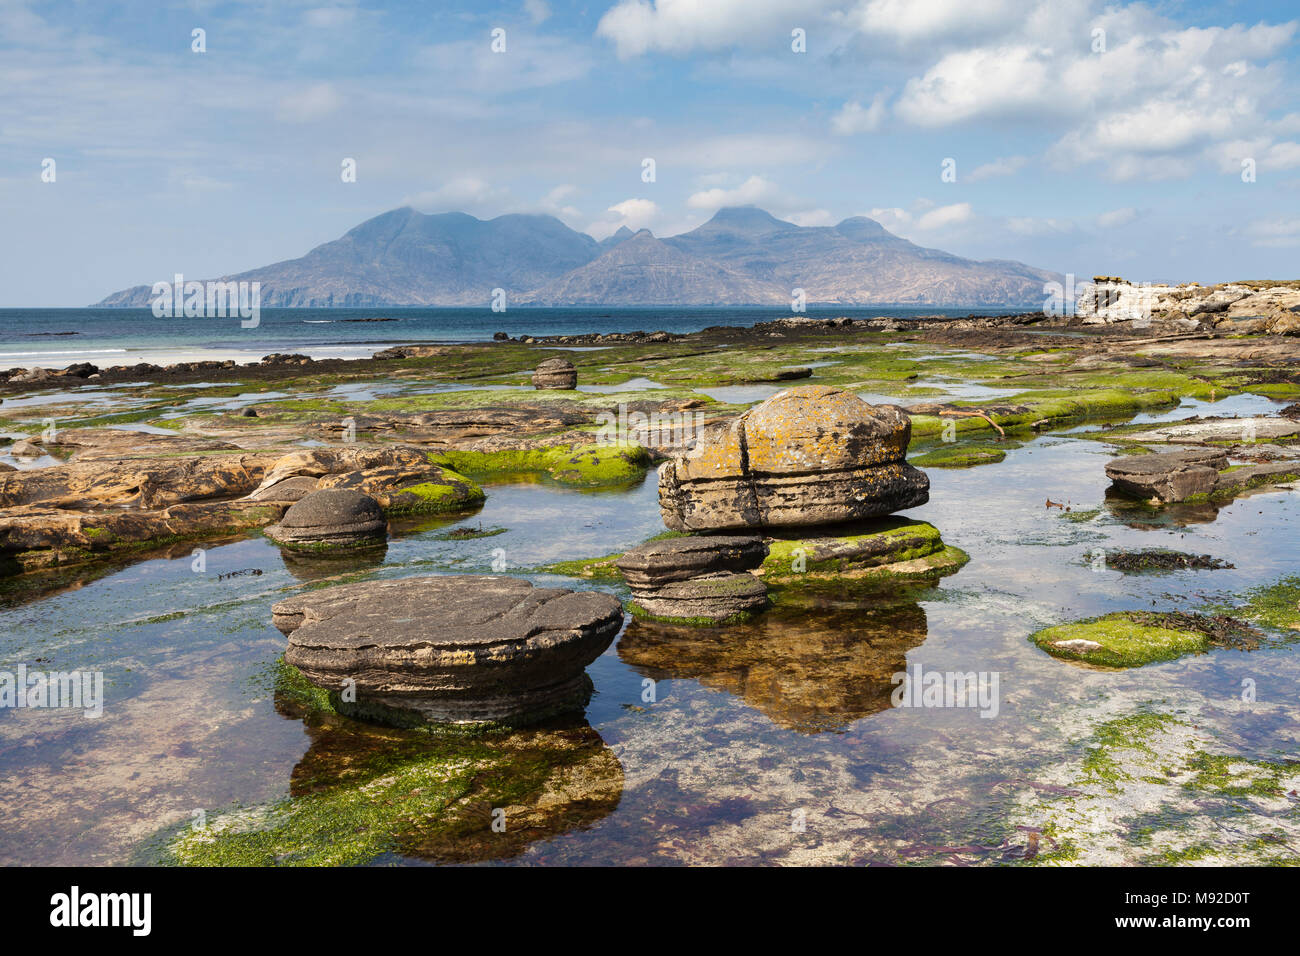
[[1122, 156]]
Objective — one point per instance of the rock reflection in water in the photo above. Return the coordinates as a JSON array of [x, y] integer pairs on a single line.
[[311, 567], [507, 791], [1145, 516], [808, 670]]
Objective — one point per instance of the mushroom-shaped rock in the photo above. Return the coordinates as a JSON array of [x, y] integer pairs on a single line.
[[555, 373], [330, 520], [809, 455], [466, 649]]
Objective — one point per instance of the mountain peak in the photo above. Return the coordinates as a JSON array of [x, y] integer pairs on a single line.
[[748, 220], [862, 228]]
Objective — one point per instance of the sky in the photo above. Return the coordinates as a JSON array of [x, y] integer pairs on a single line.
[[1157, 141]]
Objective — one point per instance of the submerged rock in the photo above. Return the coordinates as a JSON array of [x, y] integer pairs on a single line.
[[809, 455], [333, 519], [555, 373], [464, 649]]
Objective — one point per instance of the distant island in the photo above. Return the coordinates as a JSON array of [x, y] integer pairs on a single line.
[[742, 256]]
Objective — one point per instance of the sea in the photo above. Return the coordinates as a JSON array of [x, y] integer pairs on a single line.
[[56, 338]]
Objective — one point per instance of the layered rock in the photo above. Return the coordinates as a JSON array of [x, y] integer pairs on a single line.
[[807, 456], [1169, 476], [1202, 473], [403, 480], [893, 547], [699, 579], [555, 373], [331, 520], [465, 649]]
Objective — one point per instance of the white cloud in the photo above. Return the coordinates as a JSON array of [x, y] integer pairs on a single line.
[[942, 217], [636, 214], [1032, 226], [1117, 217], [812, 217], [636, 27], [538, 10], [1275, 232], [753, 191], [853, 118], [327, 18], [315, 102], [465, 194], [1002, 166], [910, 20]]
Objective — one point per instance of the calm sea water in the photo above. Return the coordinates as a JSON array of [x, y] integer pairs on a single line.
[[58, 337]]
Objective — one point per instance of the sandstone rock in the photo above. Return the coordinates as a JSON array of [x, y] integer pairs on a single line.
[[450, 648], [808, 455], [555, 373], [680, 559], [888, 549], [697, 579], [333, 519], [26, 449], [39, 537], [402, 479], [1169, 476]]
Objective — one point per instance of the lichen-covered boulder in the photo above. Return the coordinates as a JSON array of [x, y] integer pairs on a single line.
[[330, 520], [555, 373], [807, 456], [464, 649]]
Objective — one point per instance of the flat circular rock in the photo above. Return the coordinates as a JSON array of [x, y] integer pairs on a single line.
[[331, 519], [450, 648]]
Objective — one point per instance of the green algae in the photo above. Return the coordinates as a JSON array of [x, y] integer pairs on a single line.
[[959, 456], [1134, 638], [592, 465], [1151, 789], [365, 794]]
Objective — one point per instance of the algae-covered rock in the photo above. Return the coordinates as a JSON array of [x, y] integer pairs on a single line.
[[363, 794], [960, 456], [1134, 638], [884, 548], [806, 456], [584, 465]]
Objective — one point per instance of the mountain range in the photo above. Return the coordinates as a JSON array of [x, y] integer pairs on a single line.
[[742, 256]]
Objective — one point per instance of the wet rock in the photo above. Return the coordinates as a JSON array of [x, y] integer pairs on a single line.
[[555, 373], [1134, 638], [1168, 476], [403, 480], [26, 449], [887, 549], [1219, 430], [808, 455], [330, 520], [35, 537], [696, 579], [465, 649]]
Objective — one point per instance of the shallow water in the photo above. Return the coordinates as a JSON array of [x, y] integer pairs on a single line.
[[771, 742]]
